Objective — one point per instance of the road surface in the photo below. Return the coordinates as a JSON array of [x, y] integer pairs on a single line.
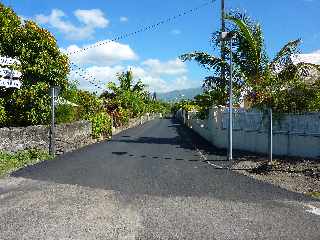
[[149, 183]]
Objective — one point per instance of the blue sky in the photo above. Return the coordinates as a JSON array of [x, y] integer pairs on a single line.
[[153, 55]]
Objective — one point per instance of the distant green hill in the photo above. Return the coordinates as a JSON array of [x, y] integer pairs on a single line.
[[179, 94]]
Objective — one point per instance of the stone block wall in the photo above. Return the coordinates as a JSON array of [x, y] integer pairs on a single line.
[[68, 137]]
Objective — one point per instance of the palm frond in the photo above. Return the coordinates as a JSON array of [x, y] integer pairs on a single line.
[[283, 57], [204, 59], [247, 34]]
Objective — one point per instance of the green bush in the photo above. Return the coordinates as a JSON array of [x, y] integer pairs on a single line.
[[89, 105], [42, 65], [35, 47], [66, 114], [29, 105], [101, 125], [3, 114], [13, 161]]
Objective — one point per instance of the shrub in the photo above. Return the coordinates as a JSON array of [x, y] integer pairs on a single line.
[[13, 161], [29, 106], [42, 65], [101, 125], [3, 114], [66, 114], [89, 105]]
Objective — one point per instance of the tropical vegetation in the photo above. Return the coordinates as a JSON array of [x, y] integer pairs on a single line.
[[44, 65], [282, 83]]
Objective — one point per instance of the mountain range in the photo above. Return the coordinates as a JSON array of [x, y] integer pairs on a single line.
[[177, 95]]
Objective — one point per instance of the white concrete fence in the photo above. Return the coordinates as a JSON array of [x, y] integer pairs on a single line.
[[293, 134]]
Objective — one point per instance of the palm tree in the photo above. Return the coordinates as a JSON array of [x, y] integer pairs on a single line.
[[259, 78], [126, 81]]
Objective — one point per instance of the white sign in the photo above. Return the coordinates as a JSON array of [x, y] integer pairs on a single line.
[[6, 72], [9, 78], [8, 83], [5, 61]]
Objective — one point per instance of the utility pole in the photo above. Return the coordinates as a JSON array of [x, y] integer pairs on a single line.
[[230, 104], [52, 132], [223, 76], [270, 135], [54, 92], [223, 29]]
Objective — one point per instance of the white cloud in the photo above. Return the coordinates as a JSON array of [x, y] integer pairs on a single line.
[[105, 74], [124, 19], [171, 67], [162, 84], [93, 18], [107, 60], [99, 75], [313, 57], [105, 54], [90, 19]]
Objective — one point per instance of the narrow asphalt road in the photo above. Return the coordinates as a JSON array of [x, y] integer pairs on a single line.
[[149, 183]]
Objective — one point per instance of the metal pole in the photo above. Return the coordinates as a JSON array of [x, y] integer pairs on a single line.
[[230, 104], [52, 133], [271, 136], [223, 29]]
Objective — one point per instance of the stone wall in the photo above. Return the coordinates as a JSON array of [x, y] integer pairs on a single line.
[[68, 137], [134, 122]]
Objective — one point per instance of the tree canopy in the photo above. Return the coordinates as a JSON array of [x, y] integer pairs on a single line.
[[42, 65]]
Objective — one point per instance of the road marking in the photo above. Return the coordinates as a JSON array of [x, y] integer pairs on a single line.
[[204, 157], [214, 165], [313, 210]]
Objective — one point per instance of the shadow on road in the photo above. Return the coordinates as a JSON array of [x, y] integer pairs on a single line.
[[160, 162]]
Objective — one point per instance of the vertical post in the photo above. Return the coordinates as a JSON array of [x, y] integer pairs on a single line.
[[112, 125], [52, 133], [223, 29], [230, 104], [270, 135]]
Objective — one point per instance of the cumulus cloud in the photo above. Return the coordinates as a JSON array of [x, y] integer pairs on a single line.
[[105, 61], [313, 57], [162, 83], [93, 18], [171, 67], [102, 55], [90, 19], [105, 74], [159, 82], [99, 75]]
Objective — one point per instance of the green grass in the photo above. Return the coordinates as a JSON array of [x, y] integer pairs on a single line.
[[314, 194], [10, 162]]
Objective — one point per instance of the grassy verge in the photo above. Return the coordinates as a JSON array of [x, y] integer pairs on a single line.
[[314, 194], [10, 162]]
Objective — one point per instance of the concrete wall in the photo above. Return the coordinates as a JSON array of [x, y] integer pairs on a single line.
[[293, 135], [68, 137]]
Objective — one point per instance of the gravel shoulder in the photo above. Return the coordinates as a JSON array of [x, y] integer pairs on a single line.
[[300, 175], [294, 174]]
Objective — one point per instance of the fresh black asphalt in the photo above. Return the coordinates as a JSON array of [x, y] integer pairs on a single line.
[[149, 182]]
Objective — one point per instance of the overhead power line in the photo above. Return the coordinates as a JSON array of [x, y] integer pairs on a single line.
[[143, 29], [86, 72], [80, 72]]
